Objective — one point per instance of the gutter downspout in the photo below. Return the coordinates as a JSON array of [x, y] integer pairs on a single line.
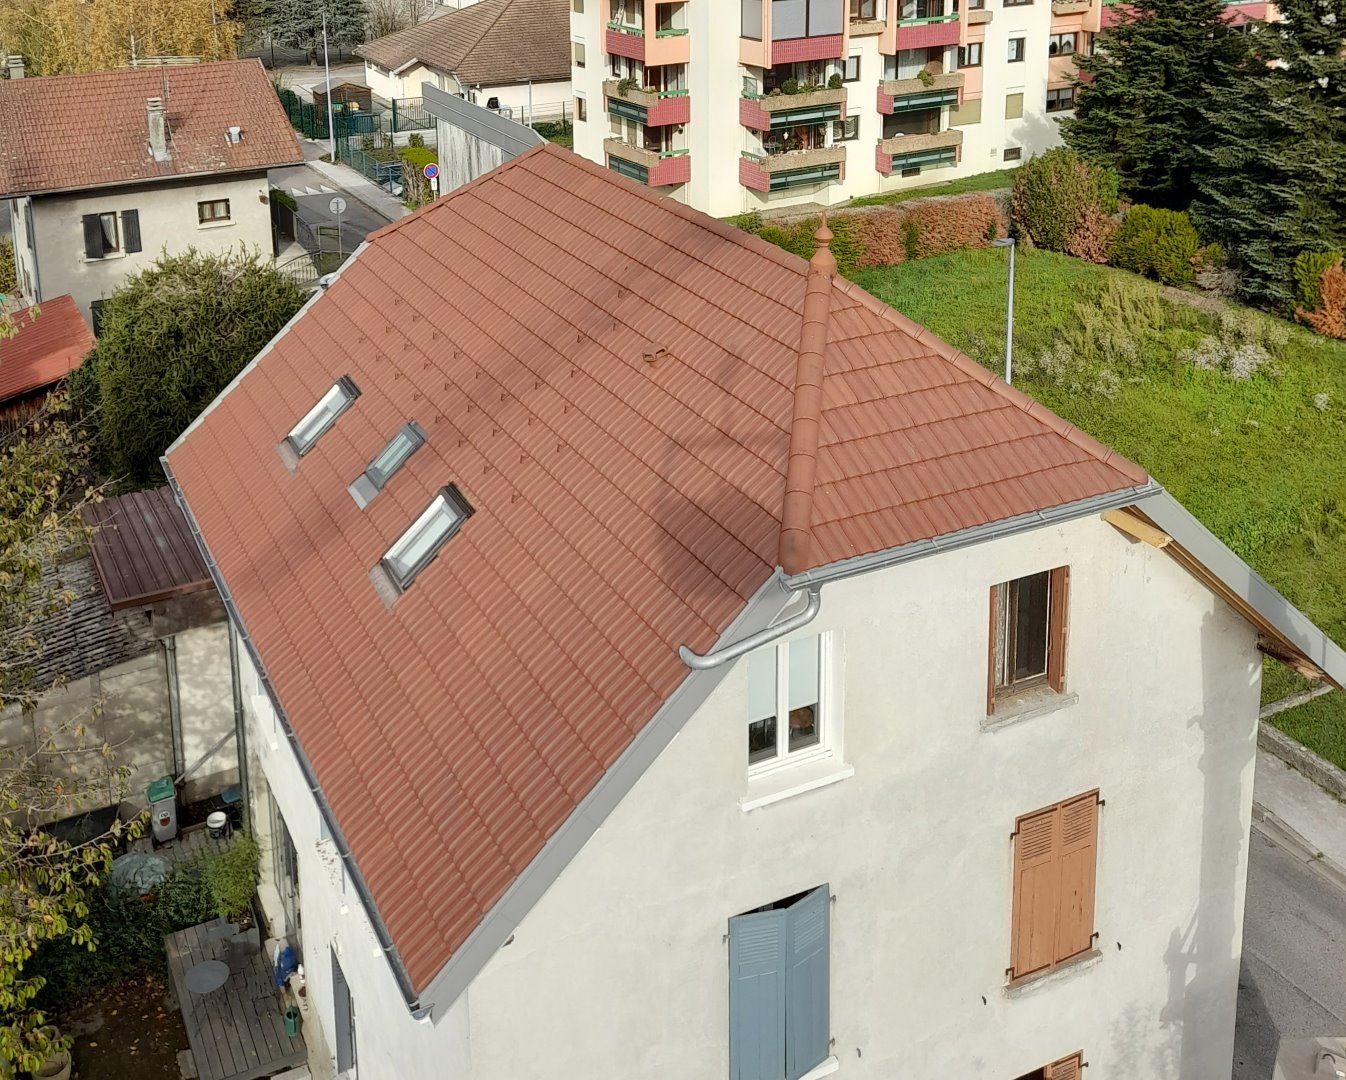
[[241, 746]]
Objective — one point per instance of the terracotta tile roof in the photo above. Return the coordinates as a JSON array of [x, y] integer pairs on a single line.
[[144, 549], [70, 132], [44, 350], [491, 43], [607, 376]]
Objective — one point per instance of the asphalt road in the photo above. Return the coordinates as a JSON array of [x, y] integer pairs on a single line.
[[313, 194], [1293, 980]]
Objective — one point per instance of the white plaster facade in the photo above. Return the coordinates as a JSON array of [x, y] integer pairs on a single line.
[[544, 99], [168, 223], [620, 969], [715, 72]]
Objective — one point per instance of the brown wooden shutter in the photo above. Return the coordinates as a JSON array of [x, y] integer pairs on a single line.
[[1078, 855], [1068, 1068], [1058, 618], [1037, 887], [990, 651]]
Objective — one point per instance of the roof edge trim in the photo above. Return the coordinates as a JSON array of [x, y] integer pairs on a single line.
[[495, 928]]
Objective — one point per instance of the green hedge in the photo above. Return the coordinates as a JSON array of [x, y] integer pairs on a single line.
[[1160, 244]]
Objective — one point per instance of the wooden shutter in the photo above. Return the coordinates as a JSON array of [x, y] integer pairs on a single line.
[[757, 970], [93, 236], [807, 1015], [131, 230], [1037, 886], [341, 1004], [1079, 846], [1068, 1068], [990, 650], [1058, 618]]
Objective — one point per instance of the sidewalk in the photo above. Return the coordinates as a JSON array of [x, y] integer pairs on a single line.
[[386, 206], [1300, 816]]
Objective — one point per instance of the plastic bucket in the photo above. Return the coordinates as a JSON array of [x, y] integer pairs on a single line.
[[217, 823]]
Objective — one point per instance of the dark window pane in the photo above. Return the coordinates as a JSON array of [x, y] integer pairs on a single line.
[[762, 740], [1030, 626], [803, 727]]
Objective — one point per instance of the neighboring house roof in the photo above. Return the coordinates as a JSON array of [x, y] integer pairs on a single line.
[[491, 43], [144, 550], [45, 349], [73, 132], [1234, 14], [609, 377]]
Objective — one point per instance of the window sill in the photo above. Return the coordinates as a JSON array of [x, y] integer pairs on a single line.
[[110, 256], [1029, 705], [823, 1068], [787, 783], [1067, 969], [214, 224]]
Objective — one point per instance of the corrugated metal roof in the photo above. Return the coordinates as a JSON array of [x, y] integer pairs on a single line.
[[44, 350], [608, 377], [144, 549]]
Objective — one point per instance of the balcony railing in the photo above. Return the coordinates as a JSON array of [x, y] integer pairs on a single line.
[[906, 95], [626, 28], [657, 168], [904, 145], [654, 108], [795, 160], [933, 31]]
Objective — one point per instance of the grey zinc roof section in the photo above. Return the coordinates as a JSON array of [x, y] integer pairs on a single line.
[[1246, 584], [478, 122]]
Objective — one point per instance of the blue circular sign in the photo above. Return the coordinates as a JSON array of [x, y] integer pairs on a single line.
[[431, 170]]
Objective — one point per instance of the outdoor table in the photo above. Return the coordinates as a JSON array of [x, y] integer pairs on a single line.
[[206, 977]]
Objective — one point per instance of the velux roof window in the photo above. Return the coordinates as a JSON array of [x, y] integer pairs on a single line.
[[409, 438], [417, 547], [322, 416]]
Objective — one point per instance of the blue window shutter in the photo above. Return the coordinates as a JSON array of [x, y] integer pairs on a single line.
[[757, 971], [807, 1018]]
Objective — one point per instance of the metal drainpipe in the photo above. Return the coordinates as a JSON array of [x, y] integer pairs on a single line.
[[241, 739], [701, 662]]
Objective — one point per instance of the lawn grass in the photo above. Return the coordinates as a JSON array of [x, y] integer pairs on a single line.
[[1000, 180], [1256, 460]]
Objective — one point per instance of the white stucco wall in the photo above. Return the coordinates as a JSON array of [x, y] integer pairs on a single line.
[[621, 969], [168, 222]]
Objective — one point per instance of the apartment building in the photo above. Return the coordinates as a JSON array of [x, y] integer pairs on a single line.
[[741, 106]]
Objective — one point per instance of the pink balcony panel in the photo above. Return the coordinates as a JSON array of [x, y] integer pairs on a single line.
[[794, 50], [883, 162], [631, 45], [673, 170], [752, 115], [885, 103], [752, 175], [672, 110], [928, 35]]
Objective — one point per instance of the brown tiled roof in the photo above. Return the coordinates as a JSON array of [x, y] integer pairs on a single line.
[[45, 349], [70, 132], [491, 43], [608, 377], [144, 550]]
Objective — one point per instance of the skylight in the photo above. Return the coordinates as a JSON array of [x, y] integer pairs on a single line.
[[322, 416], [417, 547], [407, 441]]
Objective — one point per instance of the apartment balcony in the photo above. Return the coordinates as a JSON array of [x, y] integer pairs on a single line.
[[792, 168], [913, 151], [1061, 70], [623, 39], [936, 31], [908, 95], [979, 16], [653, 108], [867, 27], [789, 110], [1071, 7], [655, 168]]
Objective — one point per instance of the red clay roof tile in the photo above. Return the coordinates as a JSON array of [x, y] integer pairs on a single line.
[[43, 350], [621, 507]]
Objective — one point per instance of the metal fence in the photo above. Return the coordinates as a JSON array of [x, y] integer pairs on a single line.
[[377, 166], [408, 114], [305, 117]]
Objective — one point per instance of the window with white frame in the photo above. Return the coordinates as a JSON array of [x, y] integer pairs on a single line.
[[416, 548], [323, 415], [1061, 45], [787, 715]]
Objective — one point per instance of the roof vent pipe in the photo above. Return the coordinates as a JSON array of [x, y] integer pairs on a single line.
[[158, 126], [15, 65]]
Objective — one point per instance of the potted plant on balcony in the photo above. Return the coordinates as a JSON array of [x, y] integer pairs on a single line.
[[626, 85], [834, 83]]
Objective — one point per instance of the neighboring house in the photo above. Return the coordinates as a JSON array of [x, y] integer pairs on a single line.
[[106, 171], [44, 349], [694, 99], [472, 140], [142, 658], [510, 55], [622, 694]]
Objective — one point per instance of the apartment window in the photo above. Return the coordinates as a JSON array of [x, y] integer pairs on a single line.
[[343, 1005], [969, 55], [322, 416], [581, 108], [1068, 1068], [846, 130], [850, 72], [779, 976], [1013, 153], [409, 438], [1055, 860], [864, 10], [1028, 634], [212, 211], [416, 548], [1016, 3], [577, 6], [793, 19], [750, 19], [915, 170], [976, 5], [969, 112], [1016, 50], [1061, 45], [1062, 100], [786, 681], [577, 53], [110, 233], [1014, 106]]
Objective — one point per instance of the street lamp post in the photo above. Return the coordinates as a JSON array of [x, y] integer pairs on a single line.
[[327, 72], [1009, 318]]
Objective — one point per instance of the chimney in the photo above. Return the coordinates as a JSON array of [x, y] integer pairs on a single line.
[[796, 526], [15, 65], [158, 129]]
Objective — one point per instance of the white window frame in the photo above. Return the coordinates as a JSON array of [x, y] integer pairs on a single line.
[[314, 424], [449, 509], [829, 712], [1017, 45]]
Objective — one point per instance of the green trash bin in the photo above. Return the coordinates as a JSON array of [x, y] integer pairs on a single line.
[[163, 802], [292, 1022]]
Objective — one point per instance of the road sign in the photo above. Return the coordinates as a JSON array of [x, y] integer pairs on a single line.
[[431, 170], [337, 205]]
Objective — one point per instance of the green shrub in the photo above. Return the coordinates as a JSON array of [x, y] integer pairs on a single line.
[[834, 83], [1053, 193], [1210, 257], [9, 278], [230, 877], [1309, 269], [795, 237], [1161, 244], [416, 139], [790, 86], [751, 222], [283, 198]]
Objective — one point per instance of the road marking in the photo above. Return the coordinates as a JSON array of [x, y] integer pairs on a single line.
[[325, 190]]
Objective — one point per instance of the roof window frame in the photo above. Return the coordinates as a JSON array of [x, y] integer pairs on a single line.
[[365, 487], [448, 498], [348, 391]]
